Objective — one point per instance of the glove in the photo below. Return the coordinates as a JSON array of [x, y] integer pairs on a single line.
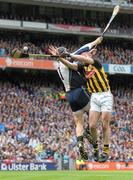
[[18, 54], [15, 53]]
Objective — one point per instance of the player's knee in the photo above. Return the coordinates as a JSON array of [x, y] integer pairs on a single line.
[[106, 116], [92, 125], [78, 120], [105, 120]]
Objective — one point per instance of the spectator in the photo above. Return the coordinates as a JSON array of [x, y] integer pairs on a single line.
[[110, 53]]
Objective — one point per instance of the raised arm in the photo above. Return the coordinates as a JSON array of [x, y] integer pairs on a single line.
[[54, 51], [69, 64], [88, 46], [96, 42], [82, 59]]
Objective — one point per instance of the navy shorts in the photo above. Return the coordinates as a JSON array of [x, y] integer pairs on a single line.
[[78, 98]]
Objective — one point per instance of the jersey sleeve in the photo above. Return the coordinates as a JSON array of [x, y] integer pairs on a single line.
[[84, 48]]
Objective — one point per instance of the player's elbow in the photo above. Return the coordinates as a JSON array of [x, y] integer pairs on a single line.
[[74, 67]]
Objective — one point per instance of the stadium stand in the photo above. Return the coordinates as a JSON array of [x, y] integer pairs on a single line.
[[58, 15], [36, 124], [66, 20], [110, 52]]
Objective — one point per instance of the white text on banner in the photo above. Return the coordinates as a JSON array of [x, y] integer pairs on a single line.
[[119, 69]]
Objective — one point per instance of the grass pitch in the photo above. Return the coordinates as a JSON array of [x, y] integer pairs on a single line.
[[66, 175]]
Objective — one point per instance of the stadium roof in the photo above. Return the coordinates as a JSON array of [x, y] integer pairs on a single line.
[[101, 5]]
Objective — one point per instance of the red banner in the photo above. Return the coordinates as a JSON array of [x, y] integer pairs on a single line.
[[107, 166], [65, 27], [27, 63]]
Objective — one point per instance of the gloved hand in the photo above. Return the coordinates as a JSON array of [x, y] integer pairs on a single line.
[[16, 53]]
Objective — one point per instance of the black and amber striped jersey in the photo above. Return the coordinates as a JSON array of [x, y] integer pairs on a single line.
[[96, 78]]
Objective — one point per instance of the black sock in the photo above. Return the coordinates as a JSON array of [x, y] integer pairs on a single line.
[[106, 145], [106, 148], [95, 146], [80, 138]]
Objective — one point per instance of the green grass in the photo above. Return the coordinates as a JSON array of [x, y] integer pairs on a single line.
[[66, 175]]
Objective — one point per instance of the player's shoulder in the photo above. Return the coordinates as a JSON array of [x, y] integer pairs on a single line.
[[97, 64]]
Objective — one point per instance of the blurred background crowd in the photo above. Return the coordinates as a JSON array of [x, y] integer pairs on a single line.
[[62, 15], [108, 52], [36, 122]]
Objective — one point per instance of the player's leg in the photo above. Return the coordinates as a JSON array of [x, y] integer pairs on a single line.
[[94, 115], [78, 100], [78, 119], [79, 122], [93, 118], [106, 117], [106, 108]]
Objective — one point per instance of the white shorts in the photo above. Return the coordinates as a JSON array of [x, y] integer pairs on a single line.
[[101, 102]]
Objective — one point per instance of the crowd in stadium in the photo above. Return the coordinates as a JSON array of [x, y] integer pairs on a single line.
[[106, 54], [36, 124], [80, 21], [119, 1], [130, 1]]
